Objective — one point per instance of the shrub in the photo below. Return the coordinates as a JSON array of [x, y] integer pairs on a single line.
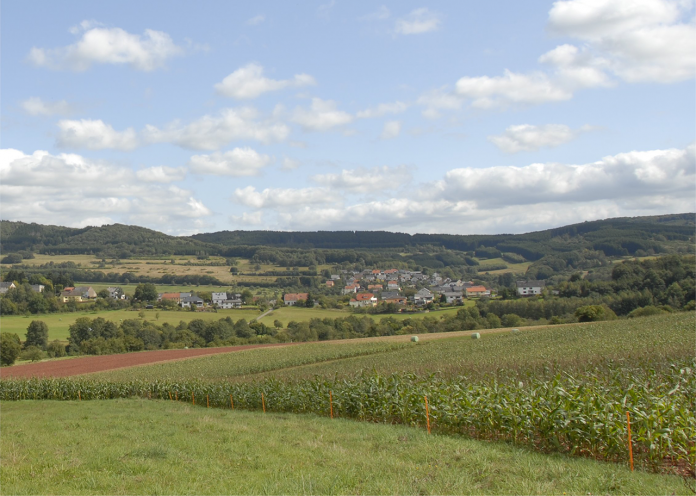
[[32, 353], [55, 349], [646, 311], [511, 320], [37, 334], [594, 313], [10, 348]]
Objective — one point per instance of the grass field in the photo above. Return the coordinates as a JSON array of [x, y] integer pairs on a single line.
[[160, 447], [58, 323]]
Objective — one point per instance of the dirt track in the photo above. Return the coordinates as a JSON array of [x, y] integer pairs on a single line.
[[85, 365]]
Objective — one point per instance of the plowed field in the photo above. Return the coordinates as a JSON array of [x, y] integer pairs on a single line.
[[86, 365]]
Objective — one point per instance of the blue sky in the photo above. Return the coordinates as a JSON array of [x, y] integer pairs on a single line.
[[454, 117]]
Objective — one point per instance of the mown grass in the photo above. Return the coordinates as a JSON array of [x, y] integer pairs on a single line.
[[158, 447]]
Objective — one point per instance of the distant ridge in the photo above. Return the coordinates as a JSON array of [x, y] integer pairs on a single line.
[[617, 236]]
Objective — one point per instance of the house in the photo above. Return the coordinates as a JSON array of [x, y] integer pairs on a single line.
[[231, 301], [293, 298], [529, 288], [218, 297], [363, 300], [6, 286], [452, 296], [351, 288], [390, 271], [37, 288], [116, 293], [175, 297], [423, 297], [187, 301], [477, 291], [398, 300], [82, 293], [375, 286], [389, 294], [329, 284], [335, 277], [393, 285]]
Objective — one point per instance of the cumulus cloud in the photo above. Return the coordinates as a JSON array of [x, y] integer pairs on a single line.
[[248, 82], [209, 132], [72, 190], [362, 180], [322, 115], [36, 106], [280, 197], [642, 40], [380, 14], [502, 199], [419, 21], [237, 162], [95, 135], [382, 109], [100, 45], [161, 174], [256, 20], [528, 137], [391, 130]]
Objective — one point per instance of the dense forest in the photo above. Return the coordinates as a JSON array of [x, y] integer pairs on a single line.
[[612, 237]]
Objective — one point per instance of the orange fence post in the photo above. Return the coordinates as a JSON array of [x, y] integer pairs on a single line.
[[231, 402], [630, 444], [170, 396], [79, 397], [176, 395], [427, 413], [331, 403], [263, 403]]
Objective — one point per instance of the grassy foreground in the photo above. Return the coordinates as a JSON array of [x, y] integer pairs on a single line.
[[138, 446]]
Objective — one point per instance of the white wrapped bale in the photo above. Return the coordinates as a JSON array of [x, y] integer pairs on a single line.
[[476, 335], [414, 339]]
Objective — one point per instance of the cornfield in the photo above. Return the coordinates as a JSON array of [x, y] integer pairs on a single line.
[[582, 414]]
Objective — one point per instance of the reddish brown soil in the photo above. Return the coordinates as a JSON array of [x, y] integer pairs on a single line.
[[86, 365]]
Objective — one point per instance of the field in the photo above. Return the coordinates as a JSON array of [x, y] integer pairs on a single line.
[[58, 323], [158, 447], [559, 389]]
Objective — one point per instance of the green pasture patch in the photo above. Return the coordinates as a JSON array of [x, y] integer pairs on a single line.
[[159, 447]]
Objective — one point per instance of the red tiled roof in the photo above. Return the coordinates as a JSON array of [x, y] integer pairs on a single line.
[[364, 296], [295, 296], [476, 289]]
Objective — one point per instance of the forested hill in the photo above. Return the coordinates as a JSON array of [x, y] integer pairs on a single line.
[[614, 237], [113, 240]]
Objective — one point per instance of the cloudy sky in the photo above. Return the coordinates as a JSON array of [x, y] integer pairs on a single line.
[[410, 116]]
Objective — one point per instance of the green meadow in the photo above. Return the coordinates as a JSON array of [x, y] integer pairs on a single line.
[[136, 446]]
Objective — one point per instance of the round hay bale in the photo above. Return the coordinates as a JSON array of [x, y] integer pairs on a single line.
[[476, 335], [414, 339]]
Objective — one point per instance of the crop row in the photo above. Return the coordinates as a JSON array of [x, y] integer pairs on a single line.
[[584, 415]]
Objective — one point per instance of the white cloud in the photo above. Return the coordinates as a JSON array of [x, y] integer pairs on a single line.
[[237, 162], [363, 180], [279, 197], [577, 68], [290, 164], [321, 116], [382, 109], [36, 106], [161, 174], [643, 40], [511, 88], [439, 99], [213, 132], [248, 82], [72, 190], [94, 135], [504, 199], [528, 137], [99, 45], [417, 22], [380, 14], [209, 132], [256, 20], [249, 218], [391, 130]]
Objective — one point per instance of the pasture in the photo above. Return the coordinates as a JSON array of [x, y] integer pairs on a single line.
[[162, 447]]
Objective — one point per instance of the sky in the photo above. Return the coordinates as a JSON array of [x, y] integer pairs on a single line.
[[412, 116]]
